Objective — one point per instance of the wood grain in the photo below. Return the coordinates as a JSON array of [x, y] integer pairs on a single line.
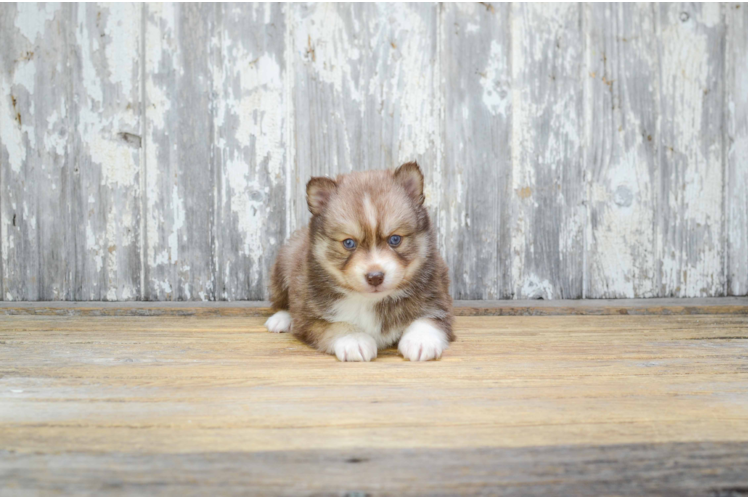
[[161, 152], [621, 133], [251, 146], [103, 238], [701, 469], [365, 91], [122, 398], [474, 213], [36, 134], [547, 236], [690, 209], [179, 151], [736, 146]]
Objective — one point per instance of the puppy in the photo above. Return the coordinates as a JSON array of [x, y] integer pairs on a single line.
[[365, 274]]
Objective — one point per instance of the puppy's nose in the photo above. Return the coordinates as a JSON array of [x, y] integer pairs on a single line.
[[375, 279]]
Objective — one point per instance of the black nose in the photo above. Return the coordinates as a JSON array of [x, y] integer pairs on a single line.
[[375, 279]]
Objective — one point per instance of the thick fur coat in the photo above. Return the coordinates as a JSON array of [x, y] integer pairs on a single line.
[[365, 274]]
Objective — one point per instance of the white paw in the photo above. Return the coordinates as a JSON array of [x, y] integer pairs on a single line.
[[422, 341], [279, 322], [355, 347]]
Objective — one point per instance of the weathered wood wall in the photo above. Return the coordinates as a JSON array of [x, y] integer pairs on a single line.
[[160, 152]]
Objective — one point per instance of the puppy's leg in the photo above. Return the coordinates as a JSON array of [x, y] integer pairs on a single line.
[[355, 347], [423, 340], [341, 339], [279, 322]]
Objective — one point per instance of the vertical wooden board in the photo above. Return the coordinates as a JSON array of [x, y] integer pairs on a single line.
[[34, 164], [105, 151], [179, 168], [250, 147], [365, 92], [547, 169], [690, 225], [736, 143], [621, 117], [476, 174]]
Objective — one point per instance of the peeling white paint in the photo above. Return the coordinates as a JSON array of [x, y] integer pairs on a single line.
[[534, 287], [10, 131], [164, 209], [88, 45], [379, 70], [25, 76], [94, 248], [496, 99], [695, 158], [260, 112], [178, 217], [736, 181], [118, 166], [418, 116], [32, 18], [622, 184], [248, 201], [123, 28], [324, 41], [56, 137], [710, 14]]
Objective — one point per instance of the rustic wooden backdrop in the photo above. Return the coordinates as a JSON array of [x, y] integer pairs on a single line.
[[160, 152]]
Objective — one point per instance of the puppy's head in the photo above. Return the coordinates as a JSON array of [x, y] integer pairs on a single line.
[[369, 229]]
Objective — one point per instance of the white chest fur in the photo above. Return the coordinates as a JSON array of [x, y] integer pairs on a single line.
[[358, 311]]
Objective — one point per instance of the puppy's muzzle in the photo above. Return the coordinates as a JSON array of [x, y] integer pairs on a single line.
[[375, 279]]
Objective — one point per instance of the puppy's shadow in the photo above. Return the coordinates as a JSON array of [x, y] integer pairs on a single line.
[[389, 353]]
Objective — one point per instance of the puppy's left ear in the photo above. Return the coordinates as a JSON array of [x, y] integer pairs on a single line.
[[409, 176]]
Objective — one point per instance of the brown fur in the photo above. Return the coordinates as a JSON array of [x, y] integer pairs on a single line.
[[314, 271]]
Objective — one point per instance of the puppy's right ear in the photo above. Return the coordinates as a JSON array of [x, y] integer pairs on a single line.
[[318, 192]]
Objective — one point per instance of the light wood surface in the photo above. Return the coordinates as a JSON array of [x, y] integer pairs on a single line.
[[178, 405]]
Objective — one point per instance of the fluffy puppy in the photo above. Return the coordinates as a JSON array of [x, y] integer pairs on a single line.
[[365, 273]]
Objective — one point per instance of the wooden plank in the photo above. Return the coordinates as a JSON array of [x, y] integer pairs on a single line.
[[105, 152], [251, 147], [736, 143], [179, 145], [474, 212], [597, 307], [548, 219], [622, 150], [35, 132], [653, 404], [365, 92], [701, 469], [690, 228]]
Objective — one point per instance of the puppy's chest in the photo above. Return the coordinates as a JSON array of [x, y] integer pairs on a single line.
[[356, 311]]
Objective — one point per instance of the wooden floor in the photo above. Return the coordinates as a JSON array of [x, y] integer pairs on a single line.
[[556, 405]]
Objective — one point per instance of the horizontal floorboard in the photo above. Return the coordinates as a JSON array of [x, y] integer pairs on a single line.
[[556, 405], [670, 469], [722, 305]]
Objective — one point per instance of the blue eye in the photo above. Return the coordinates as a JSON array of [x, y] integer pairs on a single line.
[[349, 244], [394, 240]]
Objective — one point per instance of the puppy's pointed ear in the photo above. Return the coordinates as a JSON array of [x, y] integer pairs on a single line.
[[318, 192], [409, 176]]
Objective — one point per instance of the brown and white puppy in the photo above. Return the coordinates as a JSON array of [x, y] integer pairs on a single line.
[[365, 273]]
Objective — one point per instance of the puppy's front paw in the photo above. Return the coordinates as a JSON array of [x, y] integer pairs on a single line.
[[422, 341], [355, 347], [279, 322]]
